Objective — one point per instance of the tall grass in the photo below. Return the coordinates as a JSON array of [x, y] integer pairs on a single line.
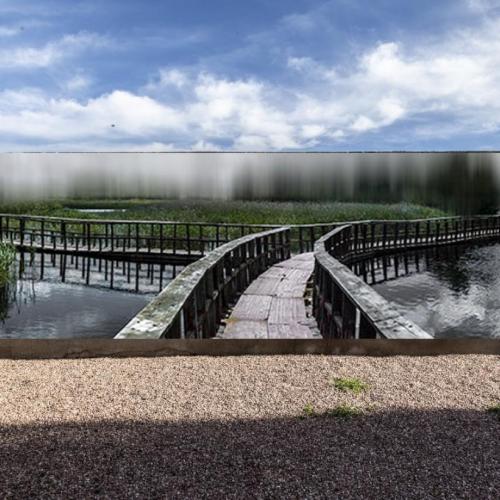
[[239, 212], [7, 258]]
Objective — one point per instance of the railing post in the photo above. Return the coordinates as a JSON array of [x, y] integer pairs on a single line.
[[288, 243], [21, 231], [348, 318], [366, 329]]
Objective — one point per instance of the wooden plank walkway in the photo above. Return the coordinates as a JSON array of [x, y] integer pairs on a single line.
[[167, 256], [273, 305]]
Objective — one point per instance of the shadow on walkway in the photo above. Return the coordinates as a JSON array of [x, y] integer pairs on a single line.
[[400, 454]]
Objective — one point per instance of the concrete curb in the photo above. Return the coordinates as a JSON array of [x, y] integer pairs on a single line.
[[95, 348]]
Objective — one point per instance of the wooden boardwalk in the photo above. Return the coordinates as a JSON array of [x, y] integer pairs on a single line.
[[273, 305]]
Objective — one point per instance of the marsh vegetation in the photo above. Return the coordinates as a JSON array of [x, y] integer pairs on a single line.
[[218, 211]]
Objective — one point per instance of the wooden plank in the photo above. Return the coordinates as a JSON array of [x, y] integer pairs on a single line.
[[290, 288], [263, 286], [275, 300], [286, 310], [290, 331], [293, 263], [252, 307], [298, 275], [274, 273], [236, 329]]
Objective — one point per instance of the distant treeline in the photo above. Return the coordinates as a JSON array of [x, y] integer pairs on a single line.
[[451, 182], [463, 183]]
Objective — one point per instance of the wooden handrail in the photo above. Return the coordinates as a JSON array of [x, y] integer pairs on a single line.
[[172, 236], [344, 305], [193, 304]]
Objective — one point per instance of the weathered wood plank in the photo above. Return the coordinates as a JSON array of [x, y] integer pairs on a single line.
[[274, 272], [290, 288], [252, 307], [274, 300], [298, 275], [290, 331], [243, 329], [286, 310], [263, 286], [304, 265]]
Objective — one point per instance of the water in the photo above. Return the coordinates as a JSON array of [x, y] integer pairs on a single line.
[[53, 297], [100, 210], [56, 310], [450, 292]]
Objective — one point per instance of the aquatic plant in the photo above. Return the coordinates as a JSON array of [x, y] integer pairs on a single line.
[[7, 258], [231, 211]]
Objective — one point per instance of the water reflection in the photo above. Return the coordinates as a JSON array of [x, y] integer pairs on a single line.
[[69, 296], [449, 291], [96, 272]]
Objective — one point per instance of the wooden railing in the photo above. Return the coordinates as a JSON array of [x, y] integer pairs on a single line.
[[344, 305], [195, 239], [139, 236], [193, 305], [120, 236], [360, 238]]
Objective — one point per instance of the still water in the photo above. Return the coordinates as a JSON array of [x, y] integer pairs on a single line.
[[57, 297], [449, 292]]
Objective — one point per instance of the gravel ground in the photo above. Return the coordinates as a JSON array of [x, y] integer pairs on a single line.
[[234, 427]]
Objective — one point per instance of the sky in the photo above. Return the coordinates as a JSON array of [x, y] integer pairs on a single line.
[[255, 75]]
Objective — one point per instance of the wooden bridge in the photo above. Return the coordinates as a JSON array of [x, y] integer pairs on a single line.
[[273, 306], [233, 285], [242, 281], [165, 241]]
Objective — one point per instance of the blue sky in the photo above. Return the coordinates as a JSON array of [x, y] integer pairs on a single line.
[[271, 75]]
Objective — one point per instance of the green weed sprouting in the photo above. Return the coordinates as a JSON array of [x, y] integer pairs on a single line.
[[495, 410], [344, 412], [354, 385], [308, 411]]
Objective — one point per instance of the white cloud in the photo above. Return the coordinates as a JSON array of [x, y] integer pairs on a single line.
[[299, 22], [312, 131], [77, 82], [205, 146], [6, 31], [173, 77], [337, 134], [363, 124], [50, 53], [456, 79], [311, 68], [52, 120], [482, 5]]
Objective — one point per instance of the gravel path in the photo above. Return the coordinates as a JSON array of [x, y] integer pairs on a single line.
[[234, 427]]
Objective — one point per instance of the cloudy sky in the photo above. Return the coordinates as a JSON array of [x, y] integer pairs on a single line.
[[256, 75]]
